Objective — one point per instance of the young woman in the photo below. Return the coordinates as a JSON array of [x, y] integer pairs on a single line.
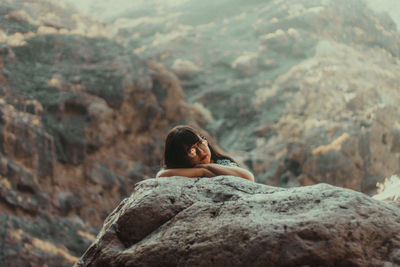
[[188, 153]]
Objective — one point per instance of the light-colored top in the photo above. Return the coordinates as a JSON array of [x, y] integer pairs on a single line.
[[226, 162]]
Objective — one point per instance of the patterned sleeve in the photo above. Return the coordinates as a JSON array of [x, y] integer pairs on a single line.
[[226, 162]]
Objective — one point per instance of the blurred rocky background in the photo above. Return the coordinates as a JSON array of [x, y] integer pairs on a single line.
[[300, 91]]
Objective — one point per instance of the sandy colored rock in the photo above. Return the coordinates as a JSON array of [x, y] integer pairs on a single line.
[[246, 64], [184, 68]]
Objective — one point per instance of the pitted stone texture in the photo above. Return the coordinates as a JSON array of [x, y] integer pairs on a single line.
[[227, 221]]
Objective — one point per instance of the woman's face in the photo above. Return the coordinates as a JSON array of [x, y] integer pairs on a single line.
[[200, 153]]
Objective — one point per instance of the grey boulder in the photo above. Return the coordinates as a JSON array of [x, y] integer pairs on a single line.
[[228, 221]]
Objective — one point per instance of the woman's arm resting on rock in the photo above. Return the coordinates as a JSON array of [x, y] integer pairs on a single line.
[[226, 170], [186, 172]]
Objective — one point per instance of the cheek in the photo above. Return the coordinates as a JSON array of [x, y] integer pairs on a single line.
[[208, 159], [209, 151]]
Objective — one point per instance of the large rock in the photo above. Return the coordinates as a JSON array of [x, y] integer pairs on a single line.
[[351, 133], [337, 118], [229, 221]]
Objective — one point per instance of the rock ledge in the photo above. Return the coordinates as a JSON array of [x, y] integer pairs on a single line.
[[227, 221]]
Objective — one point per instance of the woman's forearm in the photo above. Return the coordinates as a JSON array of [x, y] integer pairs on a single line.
[[186, 172], [226, 170]]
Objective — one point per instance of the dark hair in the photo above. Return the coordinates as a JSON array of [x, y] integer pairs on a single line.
[[179, 140]]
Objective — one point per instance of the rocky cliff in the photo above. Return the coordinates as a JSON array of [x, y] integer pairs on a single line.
[[227, 221], [305, 91], [82, 120]]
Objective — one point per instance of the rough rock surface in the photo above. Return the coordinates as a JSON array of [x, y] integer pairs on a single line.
[[228, 221], [43, 240]]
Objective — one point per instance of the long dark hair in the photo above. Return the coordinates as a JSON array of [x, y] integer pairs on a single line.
[[179, 140]]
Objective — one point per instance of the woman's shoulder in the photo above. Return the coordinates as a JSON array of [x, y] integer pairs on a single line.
[[226, 162]]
